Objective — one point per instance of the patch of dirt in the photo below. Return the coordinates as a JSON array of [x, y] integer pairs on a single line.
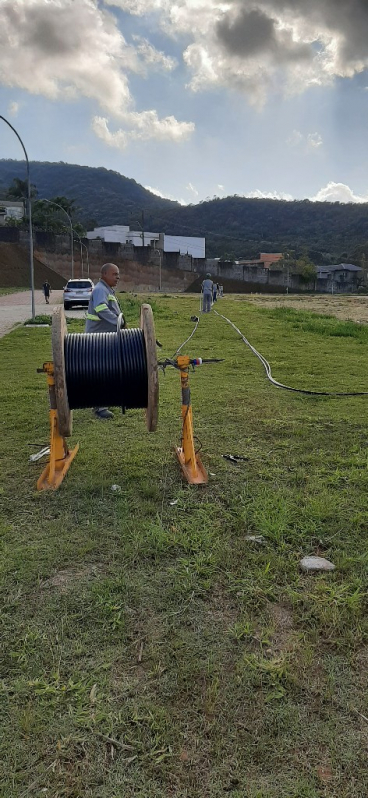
[[282, 635], [65, 580], [353, 308], [222, 609]]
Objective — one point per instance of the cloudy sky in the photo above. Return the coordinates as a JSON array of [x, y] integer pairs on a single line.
[[193, 98]]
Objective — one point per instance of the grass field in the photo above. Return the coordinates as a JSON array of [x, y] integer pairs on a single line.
[[346, 306], [150, 649]]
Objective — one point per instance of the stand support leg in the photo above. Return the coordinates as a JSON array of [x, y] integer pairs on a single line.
[[60, 456], [191, 464]]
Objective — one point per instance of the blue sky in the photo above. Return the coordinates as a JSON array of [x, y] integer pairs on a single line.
[[193, 98]]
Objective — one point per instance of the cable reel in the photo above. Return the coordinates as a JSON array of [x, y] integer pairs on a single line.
[[105, 369], [89, 370]]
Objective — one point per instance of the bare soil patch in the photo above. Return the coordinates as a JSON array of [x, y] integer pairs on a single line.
[[67, 579], [354, 308]]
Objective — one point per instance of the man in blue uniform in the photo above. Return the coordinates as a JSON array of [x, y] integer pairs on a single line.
[[103, 312]]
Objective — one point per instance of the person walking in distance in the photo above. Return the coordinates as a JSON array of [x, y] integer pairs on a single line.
[[207, 293], [46, 288], [103, 313]]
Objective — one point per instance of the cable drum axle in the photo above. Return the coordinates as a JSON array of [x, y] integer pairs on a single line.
[[105, 369]]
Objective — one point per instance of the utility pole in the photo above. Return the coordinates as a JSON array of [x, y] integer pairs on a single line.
[[141, 225], [363, 263]]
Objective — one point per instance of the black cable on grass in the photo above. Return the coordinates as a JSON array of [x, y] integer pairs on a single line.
[[277, 384], [106, 370]]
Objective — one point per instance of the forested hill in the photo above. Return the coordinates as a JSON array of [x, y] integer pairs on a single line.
[[234, 226], [101, 194]]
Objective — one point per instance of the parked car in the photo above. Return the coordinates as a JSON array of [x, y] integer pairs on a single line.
[[77, 292]]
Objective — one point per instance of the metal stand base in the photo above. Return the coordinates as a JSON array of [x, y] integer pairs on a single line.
[[191, 464], [60, 456], [195, 473]]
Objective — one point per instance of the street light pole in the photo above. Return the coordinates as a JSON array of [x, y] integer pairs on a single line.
[[51, 202], [87, 259], [81, 252], [80, 249], [31, 266]]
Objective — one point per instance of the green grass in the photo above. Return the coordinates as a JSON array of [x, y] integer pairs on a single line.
[[213, 663], [320, 324]]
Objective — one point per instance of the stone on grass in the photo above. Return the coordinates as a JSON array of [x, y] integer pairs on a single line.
[[308, 564], [255, 538]]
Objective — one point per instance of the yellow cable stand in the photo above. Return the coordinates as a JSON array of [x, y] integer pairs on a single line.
[[60, 456], [191, 464]]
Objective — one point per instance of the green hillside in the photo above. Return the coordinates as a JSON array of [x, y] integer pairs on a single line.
[[233, 226], [101, 194]]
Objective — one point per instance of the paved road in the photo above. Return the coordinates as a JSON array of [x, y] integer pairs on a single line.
[[16, 308]]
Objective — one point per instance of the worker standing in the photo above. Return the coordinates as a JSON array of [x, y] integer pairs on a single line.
[[207, 291], [103, 313], [46, 288]]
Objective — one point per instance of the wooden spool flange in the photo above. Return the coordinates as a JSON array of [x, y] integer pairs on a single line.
[[148, 327], [59, 331]]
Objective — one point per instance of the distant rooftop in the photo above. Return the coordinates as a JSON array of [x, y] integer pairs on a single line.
[[340, 267]]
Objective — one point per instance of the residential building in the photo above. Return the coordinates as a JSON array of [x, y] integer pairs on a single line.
[[266, 259], [11, 210], [122, 234], [339, 278]]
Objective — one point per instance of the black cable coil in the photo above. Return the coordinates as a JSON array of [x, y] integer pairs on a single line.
[[106, 370]]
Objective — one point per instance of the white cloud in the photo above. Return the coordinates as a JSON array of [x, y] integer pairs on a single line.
[[257, 194], [142, 126], [333, 192], [263, 46], [152, 57], [222, 188], [310, 142], [13, 108], [295, 139], [338, 192], [314, 141], [165, 196], [65, 49], [193, 189], [156, 192], [50, 47], [119, 139]]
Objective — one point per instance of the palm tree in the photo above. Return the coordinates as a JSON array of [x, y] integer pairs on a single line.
[[19, 189], [66, 203]]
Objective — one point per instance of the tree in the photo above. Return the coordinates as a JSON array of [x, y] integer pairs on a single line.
[[48, 216], [306, 270], [66, 203], [19, 189]]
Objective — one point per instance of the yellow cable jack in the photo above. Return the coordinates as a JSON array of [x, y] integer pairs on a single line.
[[60, 456], [191, 464]]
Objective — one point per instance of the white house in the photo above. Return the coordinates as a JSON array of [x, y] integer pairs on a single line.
[[11, 210], [184, 245]]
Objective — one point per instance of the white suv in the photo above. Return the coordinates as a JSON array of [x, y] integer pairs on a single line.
[[77, 292]]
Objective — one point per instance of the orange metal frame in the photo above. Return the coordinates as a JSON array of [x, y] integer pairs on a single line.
[[191, 464], [60, 456]]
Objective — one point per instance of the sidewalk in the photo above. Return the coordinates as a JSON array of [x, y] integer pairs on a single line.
[[16, 308]]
